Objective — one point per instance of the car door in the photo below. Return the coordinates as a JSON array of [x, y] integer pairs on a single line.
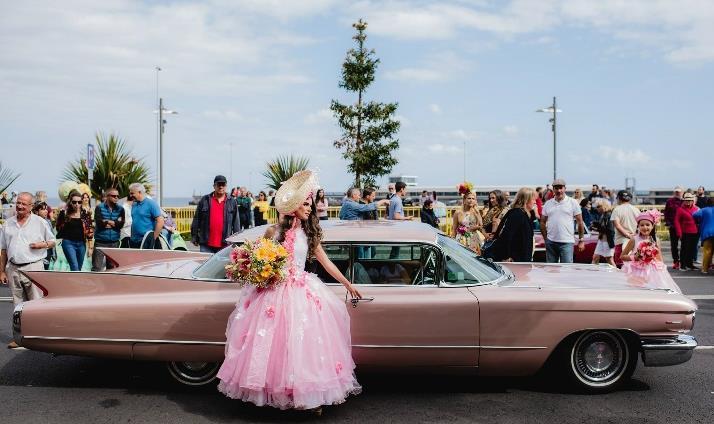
[[406, 316]]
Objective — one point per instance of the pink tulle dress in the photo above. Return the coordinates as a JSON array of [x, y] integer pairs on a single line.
[[289, 347], [653, 274]]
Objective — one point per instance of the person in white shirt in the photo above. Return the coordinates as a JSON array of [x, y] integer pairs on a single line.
[[556, 225], [24, 241]]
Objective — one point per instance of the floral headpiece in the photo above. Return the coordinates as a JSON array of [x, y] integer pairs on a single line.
[[652, 215], [465, 187]]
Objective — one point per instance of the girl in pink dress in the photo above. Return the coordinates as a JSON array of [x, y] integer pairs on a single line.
[[642, 255], [290, 346]]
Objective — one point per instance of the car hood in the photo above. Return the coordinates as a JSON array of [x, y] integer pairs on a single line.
[[579, 276], [177, 268]]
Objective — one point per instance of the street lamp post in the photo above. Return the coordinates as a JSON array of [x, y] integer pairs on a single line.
[[162, 122], [554, 110]]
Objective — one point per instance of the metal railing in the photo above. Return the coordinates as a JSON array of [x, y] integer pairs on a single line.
[[184, 215]]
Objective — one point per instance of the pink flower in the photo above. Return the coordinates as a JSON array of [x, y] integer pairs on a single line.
[[246, 304], [338, 367], [317, 303], [308, 293], [270, 312]]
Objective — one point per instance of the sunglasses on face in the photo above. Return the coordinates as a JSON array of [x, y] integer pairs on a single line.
[[112, 195], [76, 202], [558, 187]]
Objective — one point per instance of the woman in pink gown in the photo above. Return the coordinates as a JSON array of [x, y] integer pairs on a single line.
[[650, 272], [290, 346]]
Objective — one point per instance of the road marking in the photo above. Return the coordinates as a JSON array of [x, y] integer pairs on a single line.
[[701, 296], [5, 299], [704, 347], [676, 277]]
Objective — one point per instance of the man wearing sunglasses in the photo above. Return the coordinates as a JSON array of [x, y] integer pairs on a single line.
[[109, 218], [216, 218], [556, 225]]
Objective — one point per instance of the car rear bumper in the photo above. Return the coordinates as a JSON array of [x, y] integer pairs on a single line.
[[662, 352]]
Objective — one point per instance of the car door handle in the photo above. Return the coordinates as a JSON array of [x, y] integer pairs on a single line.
[[355, 301]]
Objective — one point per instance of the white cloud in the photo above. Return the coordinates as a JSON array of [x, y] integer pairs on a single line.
[[439, 66], [443, 148], [224, 115], [415, 74], [319, 117], [632, 157], [435, 109], [684, 26], [511, 130], [462, 135]]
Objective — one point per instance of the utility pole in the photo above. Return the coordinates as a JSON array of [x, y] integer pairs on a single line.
[[554, 110]]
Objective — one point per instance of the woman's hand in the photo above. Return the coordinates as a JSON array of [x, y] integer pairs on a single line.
[[354, 293]]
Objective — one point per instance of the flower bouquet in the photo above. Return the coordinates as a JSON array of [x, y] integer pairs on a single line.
[[260, 263], [465, 187], [646, 252]]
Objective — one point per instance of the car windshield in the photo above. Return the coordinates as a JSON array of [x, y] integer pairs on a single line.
[[215, 267], [464, 266]]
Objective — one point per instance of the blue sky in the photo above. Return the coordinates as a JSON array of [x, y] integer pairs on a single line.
[[633, 79]]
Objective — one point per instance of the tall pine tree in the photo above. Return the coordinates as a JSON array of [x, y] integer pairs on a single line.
[[368, 129]]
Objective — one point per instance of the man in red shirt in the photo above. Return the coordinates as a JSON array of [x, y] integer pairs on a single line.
[[216, 218]]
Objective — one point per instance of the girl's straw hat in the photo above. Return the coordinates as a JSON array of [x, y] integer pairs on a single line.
[[290, 195]]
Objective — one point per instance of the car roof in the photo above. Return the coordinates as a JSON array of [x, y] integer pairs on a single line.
[[381, 231]]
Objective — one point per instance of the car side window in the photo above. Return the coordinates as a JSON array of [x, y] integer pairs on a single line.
[[339, 254], [407, 264]]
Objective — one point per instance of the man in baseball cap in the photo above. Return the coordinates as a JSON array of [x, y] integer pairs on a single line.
[[556, 225], [216, 218], [624, 219]]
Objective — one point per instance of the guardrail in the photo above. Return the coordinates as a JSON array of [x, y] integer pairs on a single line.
[[184, 215]]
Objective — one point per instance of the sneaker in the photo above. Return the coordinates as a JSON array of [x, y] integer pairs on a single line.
[[693, 268], [675, 265]]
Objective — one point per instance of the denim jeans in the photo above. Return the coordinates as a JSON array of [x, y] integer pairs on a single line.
[[74, 252], [556, 251]]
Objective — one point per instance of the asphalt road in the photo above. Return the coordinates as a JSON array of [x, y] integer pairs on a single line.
[[39, 388]]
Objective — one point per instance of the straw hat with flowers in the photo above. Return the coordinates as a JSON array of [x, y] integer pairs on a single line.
[[294, 191]]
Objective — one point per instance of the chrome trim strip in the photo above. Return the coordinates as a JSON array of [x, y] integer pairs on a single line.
[[203, 342], [514, 347], [99, 339], [450, 347], [415, 347]]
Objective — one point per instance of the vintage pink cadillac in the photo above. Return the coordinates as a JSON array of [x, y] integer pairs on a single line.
[[428, 303]]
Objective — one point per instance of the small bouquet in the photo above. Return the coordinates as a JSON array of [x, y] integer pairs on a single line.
[[465, 187], [646, 252], [260, 263], [462, 230]]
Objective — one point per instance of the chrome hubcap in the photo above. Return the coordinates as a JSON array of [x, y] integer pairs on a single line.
[[599, 358], [194, 373]]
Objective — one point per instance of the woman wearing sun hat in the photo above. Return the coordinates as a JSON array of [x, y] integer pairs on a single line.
[[687, 230], [290, 346]]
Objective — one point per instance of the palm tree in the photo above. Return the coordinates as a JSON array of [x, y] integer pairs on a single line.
[[282, 168], [7, 177], [115, 167]]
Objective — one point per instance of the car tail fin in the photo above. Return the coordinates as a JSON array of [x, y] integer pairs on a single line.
[[123, 257], [55, 284]]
